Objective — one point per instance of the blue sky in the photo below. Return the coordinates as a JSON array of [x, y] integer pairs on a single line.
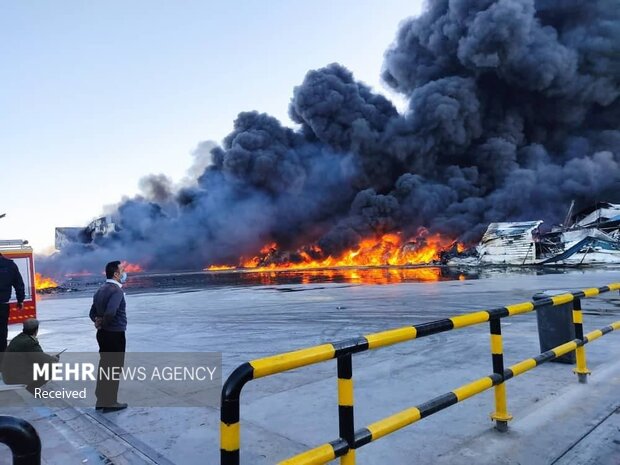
[[96, 95]]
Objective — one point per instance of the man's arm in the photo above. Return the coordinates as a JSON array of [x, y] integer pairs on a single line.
[[38, 356], [18, 284], [112, 307], [93, 311], [93, 315]]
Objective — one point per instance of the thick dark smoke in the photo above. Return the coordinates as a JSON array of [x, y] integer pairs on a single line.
[[513, 111]]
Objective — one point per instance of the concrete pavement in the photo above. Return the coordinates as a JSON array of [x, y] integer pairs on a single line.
[[285, 414]]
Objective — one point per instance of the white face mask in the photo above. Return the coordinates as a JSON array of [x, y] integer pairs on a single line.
[[123, 278]]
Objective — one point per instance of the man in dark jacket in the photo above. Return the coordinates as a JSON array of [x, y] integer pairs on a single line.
[[108, 314], [23, 352], [10, 278]]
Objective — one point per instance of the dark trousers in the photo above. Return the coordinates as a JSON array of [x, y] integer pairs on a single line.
[[111, 354], [4, 328]]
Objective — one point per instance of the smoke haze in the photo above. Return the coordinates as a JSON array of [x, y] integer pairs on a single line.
[[513, 110]]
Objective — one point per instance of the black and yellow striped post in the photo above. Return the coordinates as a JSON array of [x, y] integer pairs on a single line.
[[500, 415], [230, 431], [581, 368], [345, 406]]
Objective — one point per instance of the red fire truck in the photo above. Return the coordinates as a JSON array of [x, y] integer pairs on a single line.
[[21, 253]]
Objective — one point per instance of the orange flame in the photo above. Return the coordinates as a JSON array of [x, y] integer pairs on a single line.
[[131, 267], [393, 275], [386, 250], [219, 268], [43, 282]]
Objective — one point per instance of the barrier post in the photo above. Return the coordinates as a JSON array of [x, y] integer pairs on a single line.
[[230, 432], [500, 415], [581, 368], [23, 440], [345, 406]]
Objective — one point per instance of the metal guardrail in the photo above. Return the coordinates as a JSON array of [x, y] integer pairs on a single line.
[[350, 440], [23, 440]]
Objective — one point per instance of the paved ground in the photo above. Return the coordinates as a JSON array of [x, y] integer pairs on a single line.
[[556, 419]]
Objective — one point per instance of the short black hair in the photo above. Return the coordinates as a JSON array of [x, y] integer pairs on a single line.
[[31, 326], [111, 268]]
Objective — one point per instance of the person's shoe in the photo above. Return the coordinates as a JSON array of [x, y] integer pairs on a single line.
[[115, 407]]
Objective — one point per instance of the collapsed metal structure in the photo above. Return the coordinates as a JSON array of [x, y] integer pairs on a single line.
[[590, 237], [99, 227]]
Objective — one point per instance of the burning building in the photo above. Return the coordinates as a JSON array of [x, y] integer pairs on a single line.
[[590, 237], [98, 228], [512, 110]]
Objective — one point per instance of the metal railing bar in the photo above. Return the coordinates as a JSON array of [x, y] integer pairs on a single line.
[[414, 414]]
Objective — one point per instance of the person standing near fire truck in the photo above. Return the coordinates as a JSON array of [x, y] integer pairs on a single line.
[[10, 278], [108, 314]]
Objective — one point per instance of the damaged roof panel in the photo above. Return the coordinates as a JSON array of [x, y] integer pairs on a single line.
[[509, 243], [606, 212]]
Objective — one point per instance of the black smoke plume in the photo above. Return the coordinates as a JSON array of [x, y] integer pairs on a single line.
[[513, 111]]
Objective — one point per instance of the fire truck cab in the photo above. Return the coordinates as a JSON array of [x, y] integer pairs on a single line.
[[22, 255]]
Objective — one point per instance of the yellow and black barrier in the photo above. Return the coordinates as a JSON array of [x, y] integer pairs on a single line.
[[381, 428], [345, 446], [345, 405]]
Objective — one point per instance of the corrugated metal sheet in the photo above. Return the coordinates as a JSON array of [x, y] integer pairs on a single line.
[[602, 214], [509, 243]]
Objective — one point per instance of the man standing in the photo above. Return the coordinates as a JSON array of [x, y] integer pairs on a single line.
[[108, 314], [10, 278]]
